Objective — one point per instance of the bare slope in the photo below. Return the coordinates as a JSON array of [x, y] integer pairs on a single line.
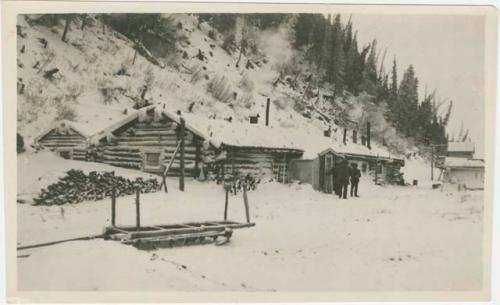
[[97, 78]]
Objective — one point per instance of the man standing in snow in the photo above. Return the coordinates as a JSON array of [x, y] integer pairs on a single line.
[[343, 174], [355, 175]]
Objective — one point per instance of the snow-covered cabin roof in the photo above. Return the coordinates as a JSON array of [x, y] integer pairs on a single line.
[[137, 115], [84, 129], [460, 147], [239, 134], [454, 162]]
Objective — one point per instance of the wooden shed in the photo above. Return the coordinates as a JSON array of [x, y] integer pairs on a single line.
[[313, 171], [68, 139]]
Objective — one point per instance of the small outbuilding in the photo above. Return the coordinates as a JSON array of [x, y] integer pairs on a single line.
[[68, 139], [319, 158], [468, 173]]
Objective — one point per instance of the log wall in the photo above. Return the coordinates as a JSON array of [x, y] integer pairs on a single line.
[[68, 140], [260, 163], [130, 146]]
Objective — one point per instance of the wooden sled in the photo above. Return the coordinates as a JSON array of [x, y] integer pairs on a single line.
[[162, 236], [159, 236]]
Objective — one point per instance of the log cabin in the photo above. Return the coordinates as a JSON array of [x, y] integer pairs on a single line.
[[147, 140], [256, 149], [68, 139]]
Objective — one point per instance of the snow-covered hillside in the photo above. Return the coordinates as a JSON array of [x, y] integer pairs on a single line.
[[98, 78]]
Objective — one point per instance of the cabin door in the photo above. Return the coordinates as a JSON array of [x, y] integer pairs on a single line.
[[328, 187]]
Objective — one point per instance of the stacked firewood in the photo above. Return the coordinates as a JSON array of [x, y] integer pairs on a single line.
[[76, 187]]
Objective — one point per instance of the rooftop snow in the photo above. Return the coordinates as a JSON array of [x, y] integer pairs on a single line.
[[258, 135], [240, 134], [461, 146], [86, 130], [462, 162]]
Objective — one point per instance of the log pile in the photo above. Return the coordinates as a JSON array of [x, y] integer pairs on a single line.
[[76, 187]]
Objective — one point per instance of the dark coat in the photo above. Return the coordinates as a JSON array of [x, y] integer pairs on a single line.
[[343, 173], [355, 174]]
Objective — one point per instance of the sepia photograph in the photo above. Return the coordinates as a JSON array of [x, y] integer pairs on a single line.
[[339, 151]]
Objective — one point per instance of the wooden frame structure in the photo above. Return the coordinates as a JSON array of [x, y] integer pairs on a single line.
[[152, 237]]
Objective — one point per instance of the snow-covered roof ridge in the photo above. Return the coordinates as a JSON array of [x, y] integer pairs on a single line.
[[462, 162], [84, 129]]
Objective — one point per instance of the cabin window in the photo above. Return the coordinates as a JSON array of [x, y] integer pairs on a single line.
[[363, 167], [152, 160]]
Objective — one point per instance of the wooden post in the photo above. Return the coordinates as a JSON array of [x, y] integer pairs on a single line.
[[197, 156], [268, 104], [432, 162], [226, 204], [66, 27], [233, 172], [223, 171], [344, 139], [181, 176], [245, 201], [137, 209], [135, 55], [368, 136], [285, 170], [113, 206], [164, 183]]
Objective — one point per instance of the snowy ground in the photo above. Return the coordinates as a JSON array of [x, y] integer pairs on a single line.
[[391, 238]]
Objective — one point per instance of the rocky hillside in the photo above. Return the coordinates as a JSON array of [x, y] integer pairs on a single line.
[[97, 75]]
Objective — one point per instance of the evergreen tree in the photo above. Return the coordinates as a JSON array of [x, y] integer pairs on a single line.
[[336, 67], [407, 102], [370, 79], [394, 80]]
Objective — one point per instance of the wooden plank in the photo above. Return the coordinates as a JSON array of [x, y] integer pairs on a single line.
[[122, 148], [124, 159], [165, 232]]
